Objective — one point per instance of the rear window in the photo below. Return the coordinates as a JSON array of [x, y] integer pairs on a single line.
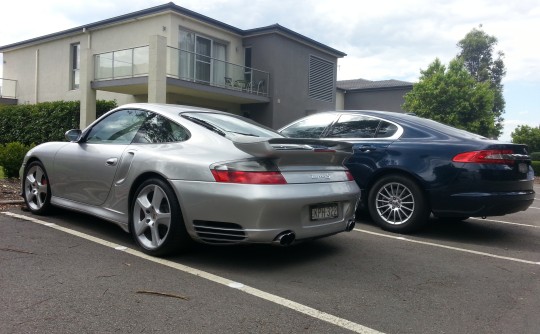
[[230, 124]]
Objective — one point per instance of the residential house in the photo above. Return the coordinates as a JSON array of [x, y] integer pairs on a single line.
[[169, 54], [361, 94]]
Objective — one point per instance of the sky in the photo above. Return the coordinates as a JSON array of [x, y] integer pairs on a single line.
[[383, 39]]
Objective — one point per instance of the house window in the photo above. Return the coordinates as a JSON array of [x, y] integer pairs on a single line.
[[321, 79], [202, 59], [247, 63], [75, 65]]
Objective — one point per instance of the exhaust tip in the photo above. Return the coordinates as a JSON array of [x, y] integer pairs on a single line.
[[285, 238], [350, 225]]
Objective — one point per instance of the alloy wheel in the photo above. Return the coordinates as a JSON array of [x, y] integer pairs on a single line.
[[151, 216], [395, 203], [36, 188]]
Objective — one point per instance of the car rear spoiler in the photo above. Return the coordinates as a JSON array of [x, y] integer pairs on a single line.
[[295, 151]]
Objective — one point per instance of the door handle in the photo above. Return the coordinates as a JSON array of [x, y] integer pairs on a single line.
[[111, 162]]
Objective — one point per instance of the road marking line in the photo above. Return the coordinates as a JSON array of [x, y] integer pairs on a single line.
[[352, 326], [448, 247], [504, 222], [533, 207]]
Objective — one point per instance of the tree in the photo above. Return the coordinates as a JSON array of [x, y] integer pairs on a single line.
[[477, 54], [524, 134], [453, 96]]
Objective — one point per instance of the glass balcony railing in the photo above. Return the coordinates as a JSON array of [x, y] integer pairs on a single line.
[[183, 65], [186, 65], [8, 88], [121, 64]]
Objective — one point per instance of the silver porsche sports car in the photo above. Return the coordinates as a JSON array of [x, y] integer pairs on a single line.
[[171, 174]]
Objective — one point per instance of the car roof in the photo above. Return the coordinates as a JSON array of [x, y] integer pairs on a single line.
[[410, 119]]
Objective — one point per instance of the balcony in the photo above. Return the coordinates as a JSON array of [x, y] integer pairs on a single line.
[[8, 91], [187, 73]]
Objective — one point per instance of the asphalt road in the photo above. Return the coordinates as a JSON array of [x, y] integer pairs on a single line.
[[84, 275]]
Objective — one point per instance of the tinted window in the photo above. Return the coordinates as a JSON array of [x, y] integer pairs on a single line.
[[386, 130], [310, 127], [355, 126], [117, 128], [158, 129]]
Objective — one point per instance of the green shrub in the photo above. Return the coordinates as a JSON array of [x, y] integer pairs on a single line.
[[535, 156], [536, 167], [11, 157], [43, 122]]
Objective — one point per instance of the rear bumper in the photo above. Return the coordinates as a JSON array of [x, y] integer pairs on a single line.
[[240, 213], [479, 204]]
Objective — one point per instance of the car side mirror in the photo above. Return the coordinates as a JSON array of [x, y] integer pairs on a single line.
[[73, 135]]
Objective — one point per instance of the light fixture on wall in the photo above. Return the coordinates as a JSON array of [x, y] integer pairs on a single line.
[[164, 28]]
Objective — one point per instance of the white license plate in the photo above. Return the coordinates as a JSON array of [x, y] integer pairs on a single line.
[[324, 211]]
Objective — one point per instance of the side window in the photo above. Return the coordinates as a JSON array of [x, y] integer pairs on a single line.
[[355, 126], [158, 129], [311, 127], [386, 130], [117, 128]]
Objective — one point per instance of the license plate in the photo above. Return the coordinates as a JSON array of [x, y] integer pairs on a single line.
[[324, 211]]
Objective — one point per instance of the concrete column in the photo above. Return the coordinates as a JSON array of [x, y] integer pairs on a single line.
[[157, 70], [88, 95]]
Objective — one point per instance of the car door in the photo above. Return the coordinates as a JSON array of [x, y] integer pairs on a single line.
[[86, 169], [370, 137]]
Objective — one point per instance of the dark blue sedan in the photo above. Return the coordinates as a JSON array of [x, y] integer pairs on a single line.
[[410, 167]]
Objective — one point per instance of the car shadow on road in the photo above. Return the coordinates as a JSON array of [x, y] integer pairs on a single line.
[[253, 256]]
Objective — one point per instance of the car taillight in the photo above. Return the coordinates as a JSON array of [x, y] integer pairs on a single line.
[[247, 172], [349, 175], [485, 157], [248, 177]]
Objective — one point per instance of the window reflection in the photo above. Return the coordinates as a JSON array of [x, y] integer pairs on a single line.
[[354, 126], [311, 127], [158, 129]]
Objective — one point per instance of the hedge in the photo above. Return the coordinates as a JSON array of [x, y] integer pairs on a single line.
[[535, 156], [38, 123], [536, 167], [11, 158]]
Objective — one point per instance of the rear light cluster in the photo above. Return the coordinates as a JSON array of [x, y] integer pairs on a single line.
[[486, 157], [247, 172]]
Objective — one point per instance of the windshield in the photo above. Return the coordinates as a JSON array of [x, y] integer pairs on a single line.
[[230, 124]]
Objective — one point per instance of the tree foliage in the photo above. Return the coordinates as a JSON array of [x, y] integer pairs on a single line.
[[524, 134], [452, 96], [477, 53], [467, 94]]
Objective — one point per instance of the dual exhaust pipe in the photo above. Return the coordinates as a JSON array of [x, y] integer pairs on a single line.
[[287, 238]]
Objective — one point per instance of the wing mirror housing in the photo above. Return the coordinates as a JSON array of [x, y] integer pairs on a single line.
[[73, 135]]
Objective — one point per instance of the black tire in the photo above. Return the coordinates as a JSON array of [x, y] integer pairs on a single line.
[[36, 189], [397, 204], [156, 221]]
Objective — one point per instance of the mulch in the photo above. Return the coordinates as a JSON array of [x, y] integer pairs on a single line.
[[10, 194]]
